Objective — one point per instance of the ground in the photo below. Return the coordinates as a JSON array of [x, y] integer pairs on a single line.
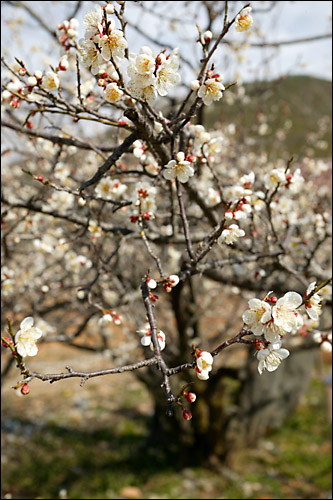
[[67, 441]]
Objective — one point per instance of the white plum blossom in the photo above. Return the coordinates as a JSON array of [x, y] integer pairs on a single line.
[[139, 149], [313, 305], [211, 91], [146, 339], [180, 169], [230, 235], [93, 22], [271, 357], [284, 312], [275, 178], [51, 81], [91, 56], [243, 19], [113, 92], [26, 338], [295, 181], [94, 228], [213, 197], [167, 72], [213, 147], [113, 45], [204, 364], [150, 75], [106, 319], [258, 314]]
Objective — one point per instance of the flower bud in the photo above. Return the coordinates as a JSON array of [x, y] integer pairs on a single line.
[[195, 85], [208, 35], [151, 283], [174, 279], [4, 342], [187, 415], [180, 156], [109, 9], [32, 81], [25, 389], [190, 396]]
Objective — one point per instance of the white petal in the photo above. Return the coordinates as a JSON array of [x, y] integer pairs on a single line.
[[27, 323], [146, 340]]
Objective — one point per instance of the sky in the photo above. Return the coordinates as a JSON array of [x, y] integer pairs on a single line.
[[286, 21]]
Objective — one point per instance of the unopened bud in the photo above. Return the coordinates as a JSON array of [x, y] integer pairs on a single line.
[[25, 389], [190, 396], [6, 341], [187, 415], [22, 71], [208, 35], [32, 81], [195, 85], [151, 283], [180, 156], [109, 9]]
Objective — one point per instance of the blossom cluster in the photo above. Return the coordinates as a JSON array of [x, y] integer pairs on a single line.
[[273, 318]]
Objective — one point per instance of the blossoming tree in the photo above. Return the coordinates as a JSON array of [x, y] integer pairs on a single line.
[[138, 224]]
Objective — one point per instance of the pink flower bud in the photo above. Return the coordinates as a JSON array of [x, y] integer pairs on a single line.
[[4, 344], [25, 389], [190, 396], [187, 415]]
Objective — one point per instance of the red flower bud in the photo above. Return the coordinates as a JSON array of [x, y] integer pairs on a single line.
[[187, 415], [190, 396], [6, 341], [25, 389]]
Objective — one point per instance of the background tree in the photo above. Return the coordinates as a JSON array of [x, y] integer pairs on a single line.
[[124, 205]]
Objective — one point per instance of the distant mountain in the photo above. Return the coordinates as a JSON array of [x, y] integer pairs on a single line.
[[299, 106]]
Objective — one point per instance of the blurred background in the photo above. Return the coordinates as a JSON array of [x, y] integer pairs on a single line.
[[104, 440]]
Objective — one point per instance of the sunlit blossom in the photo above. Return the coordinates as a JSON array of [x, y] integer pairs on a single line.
[[26, 338]]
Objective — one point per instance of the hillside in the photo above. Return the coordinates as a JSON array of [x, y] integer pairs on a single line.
[[299, 106]]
